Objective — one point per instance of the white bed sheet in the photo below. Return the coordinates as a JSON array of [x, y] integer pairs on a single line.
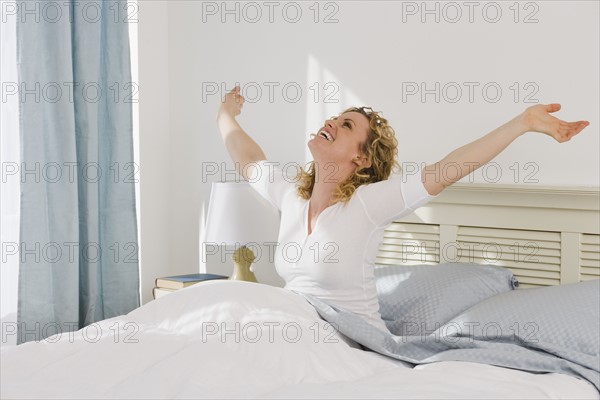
[[178, 347]]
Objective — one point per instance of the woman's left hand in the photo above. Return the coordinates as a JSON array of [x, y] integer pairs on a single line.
[[538, 119]]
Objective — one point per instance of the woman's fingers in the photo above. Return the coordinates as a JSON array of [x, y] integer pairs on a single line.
[[579, 126], [237, 96], [567, 130], [233, 101], [539, 119]]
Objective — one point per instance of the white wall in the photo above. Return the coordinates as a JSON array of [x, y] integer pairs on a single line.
[[10, 193], [155, 139], [372, 54]]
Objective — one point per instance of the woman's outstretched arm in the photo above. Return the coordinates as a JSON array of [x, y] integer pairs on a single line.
[[471, 156], [242, 149]]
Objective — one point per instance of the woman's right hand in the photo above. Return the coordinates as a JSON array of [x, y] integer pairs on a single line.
[[232, 103]]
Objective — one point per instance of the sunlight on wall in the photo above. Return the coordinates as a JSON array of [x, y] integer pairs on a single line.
[[201, 256], [325, 98]]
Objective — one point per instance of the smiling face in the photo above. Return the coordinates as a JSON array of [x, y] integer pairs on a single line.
[[340, 139], [358, 131]]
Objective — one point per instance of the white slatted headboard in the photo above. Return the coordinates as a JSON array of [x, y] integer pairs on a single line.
[[545, 235]]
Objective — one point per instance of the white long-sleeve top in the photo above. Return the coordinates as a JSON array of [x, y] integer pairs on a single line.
[[336, 261]]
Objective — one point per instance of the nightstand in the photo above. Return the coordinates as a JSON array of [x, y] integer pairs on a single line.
[[169, 284]]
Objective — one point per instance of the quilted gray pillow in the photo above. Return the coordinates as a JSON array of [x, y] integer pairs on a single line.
[[418, 299], [562, 320]]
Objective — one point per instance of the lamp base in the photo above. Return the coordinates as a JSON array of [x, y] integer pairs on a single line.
[[242, 260]]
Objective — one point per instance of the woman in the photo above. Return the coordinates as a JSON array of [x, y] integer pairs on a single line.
[[333, 218]]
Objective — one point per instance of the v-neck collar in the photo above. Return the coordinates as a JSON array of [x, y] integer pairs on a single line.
[[318, 217]]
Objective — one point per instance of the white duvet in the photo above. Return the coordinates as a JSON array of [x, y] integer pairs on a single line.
[[237, 339]]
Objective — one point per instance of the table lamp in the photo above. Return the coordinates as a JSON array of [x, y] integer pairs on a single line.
[[237, 216]]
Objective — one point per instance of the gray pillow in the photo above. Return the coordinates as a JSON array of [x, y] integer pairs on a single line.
[[418, 299], [560, 320]]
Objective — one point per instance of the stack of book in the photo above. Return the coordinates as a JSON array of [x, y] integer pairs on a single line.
[[169, 284]]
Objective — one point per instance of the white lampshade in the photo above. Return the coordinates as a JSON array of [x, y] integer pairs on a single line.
[[238, 215]]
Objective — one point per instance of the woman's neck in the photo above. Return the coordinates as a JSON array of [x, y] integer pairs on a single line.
[[327, 179]]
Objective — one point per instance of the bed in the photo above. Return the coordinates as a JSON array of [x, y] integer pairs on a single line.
[[231, 339]]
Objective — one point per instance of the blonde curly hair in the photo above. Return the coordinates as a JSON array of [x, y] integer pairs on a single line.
[[381, 148]]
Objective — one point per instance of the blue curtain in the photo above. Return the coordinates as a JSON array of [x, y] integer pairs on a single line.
[[78, 230]]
